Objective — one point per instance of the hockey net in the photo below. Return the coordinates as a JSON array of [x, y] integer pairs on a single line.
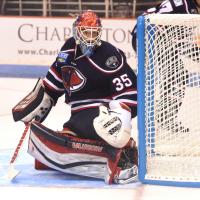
[[171, 93]]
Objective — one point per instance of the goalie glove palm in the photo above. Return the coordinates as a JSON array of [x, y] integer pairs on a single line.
[[114, 125]]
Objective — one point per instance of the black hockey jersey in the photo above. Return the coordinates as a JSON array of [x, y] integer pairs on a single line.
[[88, 82], [169, 7], [175, 6]]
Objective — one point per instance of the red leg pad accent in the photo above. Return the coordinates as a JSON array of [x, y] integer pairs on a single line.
[[40, 166]]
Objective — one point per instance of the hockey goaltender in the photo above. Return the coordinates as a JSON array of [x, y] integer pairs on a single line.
[[100, 87]]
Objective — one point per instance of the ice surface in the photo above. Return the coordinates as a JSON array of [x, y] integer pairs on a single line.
[[33, 184]]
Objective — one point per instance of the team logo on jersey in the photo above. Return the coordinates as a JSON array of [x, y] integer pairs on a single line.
[[62, 57], [73, 79], [112, 62]]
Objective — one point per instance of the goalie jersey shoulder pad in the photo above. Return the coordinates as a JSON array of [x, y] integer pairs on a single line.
[[108, 58]]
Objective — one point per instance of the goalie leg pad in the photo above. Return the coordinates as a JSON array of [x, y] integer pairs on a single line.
[[71, 154], [37, 104]]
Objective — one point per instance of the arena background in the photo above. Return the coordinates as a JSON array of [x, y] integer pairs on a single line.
[[28, 46], [36, 40]]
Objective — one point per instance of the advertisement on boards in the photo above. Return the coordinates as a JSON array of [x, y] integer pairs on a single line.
[[37, 41]]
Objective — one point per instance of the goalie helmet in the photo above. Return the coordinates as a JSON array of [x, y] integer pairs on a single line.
[[87, 30]]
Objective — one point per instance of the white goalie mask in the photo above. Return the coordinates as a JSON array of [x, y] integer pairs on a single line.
[[87, 31]]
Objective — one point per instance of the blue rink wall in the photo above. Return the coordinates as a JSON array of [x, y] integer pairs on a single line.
[[23, 71]]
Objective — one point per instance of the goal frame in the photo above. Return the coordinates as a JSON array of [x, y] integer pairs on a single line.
[[141, 113]]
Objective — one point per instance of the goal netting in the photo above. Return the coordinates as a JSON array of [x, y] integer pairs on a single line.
[[169, 98]]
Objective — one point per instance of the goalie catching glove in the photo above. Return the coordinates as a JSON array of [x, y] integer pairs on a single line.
[[35, 105], [114, 125]]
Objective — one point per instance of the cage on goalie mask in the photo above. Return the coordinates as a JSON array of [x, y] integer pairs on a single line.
[[87, 32]]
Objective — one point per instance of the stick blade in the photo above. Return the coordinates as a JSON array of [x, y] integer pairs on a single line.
[[12, 173]]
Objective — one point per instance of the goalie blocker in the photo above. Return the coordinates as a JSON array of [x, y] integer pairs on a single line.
[[85, 157]]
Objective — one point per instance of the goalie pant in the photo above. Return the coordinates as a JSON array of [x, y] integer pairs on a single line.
[[74, 155]]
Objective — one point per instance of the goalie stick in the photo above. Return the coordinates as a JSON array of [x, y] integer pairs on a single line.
[[12, 172]]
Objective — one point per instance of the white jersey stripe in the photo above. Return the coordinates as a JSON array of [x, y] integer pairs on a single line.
[[69, 50], [127, 101], [86, 106], [52, 85], [186, 6], [55, 76], [99, 104], [106, 71], [90, 100], [125, 93]]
